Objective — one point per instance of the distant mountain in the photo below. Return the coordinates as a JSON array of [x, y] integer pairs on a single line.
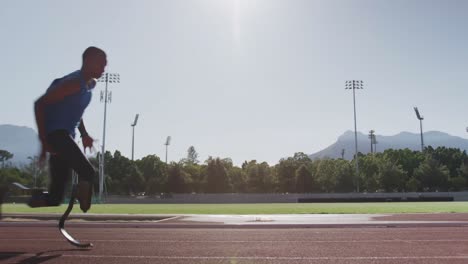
[[20, 140], [399, 141]]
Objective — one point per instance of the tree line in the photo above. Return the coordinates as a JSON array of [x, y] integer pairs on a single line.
[[394, 170]]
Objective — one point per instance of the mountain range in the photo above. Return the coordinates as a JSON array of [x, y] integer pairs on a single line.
[[23, 142], [400, 141]]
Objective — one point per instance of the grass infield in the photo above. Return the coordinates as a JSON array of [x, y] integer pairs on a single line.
[[278, 208]]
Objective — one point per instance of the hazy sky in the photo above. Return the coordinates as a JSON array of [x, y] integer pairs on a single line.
[[245, 79]]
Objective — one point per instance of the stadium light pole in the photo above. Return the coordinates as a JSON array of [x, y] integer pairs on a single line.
[[133, 133], [421, 118], [105, 97], [168, 142], [374, 140], [371, 137], [355, 84]]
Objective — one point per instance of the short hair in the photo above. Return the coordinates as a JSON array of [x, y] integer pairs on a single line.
[[92, 51]]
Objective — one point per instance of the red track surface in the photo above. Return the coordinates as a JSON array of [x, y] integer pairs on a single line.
[[39, 243]]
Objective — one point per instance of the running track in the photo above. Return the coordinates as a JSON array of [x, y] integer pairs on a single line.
[[132, 243]]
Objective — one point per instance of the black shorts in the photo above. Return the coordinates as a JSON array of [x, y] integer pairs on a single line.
[[67, 156]]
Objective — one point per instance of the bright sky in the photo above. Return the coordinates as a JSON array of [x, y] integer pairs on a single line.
[[245, 79]]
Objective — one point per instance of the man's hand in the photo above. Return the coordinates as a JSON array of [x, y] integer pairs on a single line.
[[87, 143]]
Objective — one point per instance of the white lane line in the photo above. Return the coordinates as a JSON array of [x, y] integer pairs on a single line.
[[251, 241], [248, 257], [167, 219]]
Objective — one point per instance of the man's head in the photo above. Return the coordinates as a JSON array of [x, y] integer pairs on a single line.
[[94, 62]]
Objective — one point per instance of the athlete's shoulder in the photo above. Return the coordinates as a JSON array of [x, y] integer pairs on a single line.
[[73, 78], [76, 75], [69, 81]]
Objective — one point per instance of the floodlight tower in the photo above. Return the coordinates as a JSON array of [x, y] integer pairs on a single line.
[[374, 140], [371, 137], [133, 133], [105, 97], [168, 142], [355, 84], [421, 118]]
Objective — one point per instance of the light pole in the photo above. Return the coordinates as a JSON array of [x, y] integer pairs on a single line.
[[106, 97], [168, 142], [133, 133], [355, 84], [371, 137], [374, 140], [421, 118]]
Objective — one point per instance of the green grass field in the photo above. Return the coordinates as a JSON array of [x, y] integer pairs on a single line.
[[279, 208]]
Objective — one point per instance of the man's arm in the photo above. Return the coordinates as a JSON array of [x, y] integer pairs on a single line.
[[82, 129]]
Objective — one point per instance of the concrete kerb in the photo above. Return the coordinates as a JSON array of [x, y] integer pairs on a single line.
[[86, 217], [229, 221]]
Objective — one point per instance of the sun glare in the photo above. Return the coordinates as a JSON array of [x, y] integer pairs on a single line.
[[236, 11], [236, 21]]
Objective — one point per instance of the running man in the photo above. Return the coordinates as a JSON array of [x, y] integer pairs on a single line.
[[58, 113]]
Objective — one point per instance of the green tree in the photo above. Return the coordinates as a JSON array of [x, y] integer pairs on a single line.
[[326, 175], [154, 173], [5, 156], [304, 180], [286, 174], [391, 176], [345, 175], [194, 172], [238, 180], [452, 158], [409, 160], [301, 158], [254, 182], [192, 156], [178, 181], [457, 183], [11, 175], [369, 170], [255, 177], [413, 185], [463, 171], [37, 176], [217, 179], [265, 172], [259, 179], [124, 174], [432, 175]]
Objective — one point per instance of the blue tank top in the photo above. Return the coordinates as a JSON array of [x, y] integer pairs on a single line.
[[66, 114]]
